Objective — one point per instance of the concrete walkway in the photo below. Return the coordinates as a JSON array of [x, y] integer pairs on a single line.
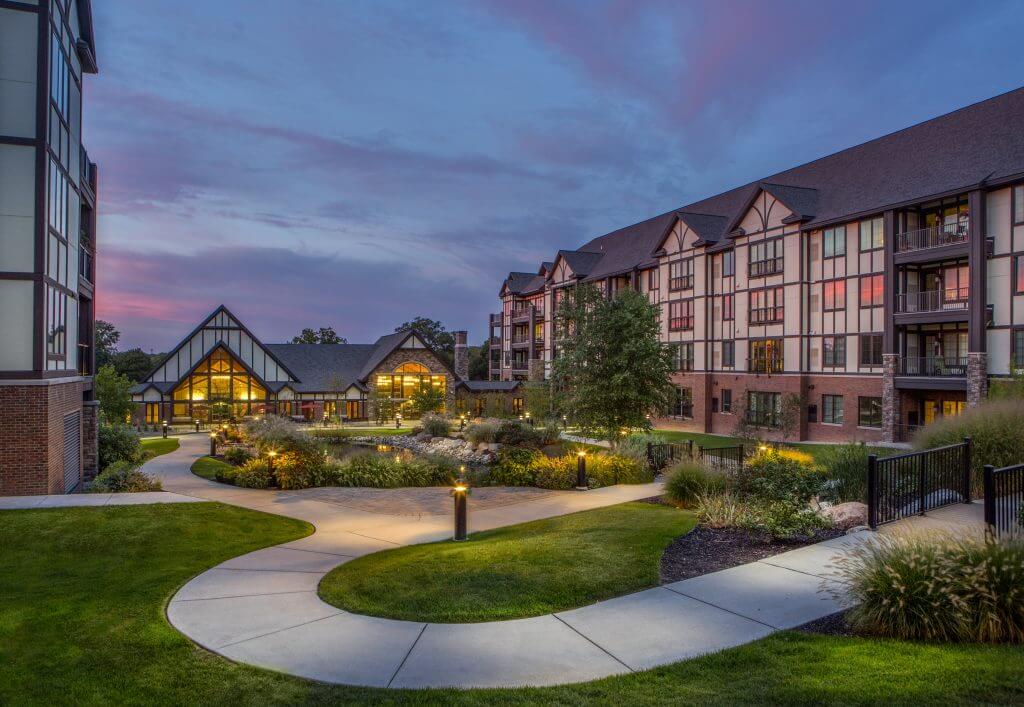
[[71, 500], [262, 608]]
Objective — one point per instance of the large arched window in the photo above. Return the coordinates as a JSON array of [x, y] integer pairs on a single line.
[[219, 388], [407, 379]]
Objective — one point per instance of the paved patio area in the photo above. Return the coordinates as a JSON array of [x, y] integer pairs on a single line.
[[421, 501], [262, 608]]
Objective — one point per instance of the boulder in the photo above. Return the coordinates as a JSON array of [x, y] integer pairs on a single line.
[[847, 515]]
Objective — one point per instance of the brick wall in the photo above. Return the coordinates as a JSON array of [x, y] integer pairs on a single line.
[[851, 388], [32, 436]]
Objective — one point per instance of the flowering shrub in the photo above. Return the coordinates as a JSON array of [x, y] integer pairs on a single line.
[[938, 588]]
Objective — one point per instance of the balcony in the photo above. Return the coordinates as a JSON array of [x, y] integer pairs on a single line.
[[946, 305], [522, 314], [765, 365], [761, 268], [683, 282], [932, 372], [767, 315], [495, 320], [949, 240]]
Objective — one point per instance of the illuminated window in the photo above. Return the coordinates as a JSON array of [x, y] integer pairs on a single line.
[[407, 379], [219, 387]]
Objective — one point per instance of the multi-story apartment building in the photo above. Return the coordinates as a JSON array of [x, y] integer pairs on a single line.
[[866, 293], [47, 248]]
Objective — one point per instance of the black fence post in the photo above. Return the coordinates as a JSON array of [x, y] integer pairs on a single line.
[[968, 460], [689, 446], [873, 491], [922, 476], [989, 484]]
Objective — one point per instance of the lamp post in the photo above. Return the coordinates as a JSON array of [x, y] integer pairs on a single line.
[[565, 422], [581, 470], [459, 493], [165, 429], [462, 422], [529, 419], [398, 421], [213, 444], [197, 424], [270, 465]]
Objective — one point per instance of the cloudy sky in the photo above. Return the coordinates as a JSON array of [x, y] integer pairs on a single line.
[[356, 164]]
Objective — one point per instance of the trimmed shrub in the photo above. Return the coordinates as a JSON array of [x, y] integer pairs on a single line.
[[237, 455], [514, 467], [995, 427], [436, 425], [518, 434], [557, 473], [384, 472], [688, 479], [226, 474], [782, 475], [480, 432], [124, 477], [118, 443], [945, 589], [295, 470], [254, 474], [609, 469], [845, 468], [783, 520]]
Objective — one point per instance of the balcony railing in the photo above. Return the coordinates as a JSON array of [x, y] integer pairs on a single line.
[[760, 268], [683, 282], [680, 323], [495, 320], [767, 315], [945, 300], [934, 237], [933, 366], [765, 365]]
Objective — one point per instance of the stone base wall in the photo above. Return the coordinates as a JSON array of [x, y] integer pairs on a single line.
[[32, 436], [977, 378], [891, 415]]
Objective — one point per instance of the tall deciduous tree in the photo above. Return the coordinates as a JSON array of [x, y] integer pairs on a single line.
[[323, 335], [106, 339], [134, 363], [478, 368], [611, 370], [113, 393], [435, 335]]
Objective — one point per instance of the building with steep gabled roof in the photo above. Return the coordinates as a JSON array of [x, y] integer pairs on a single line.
[[864, 294]]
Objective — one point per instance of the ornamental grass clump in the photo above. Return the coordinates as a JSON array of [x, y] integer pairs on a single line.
[[124, 477], [845, 469], [688, 479], [436, 425], [938, 588], [481, 432]]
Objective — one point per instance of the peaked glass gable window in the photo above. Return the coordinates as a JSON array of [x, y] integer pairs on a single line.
[[406, 379], [220, 388]]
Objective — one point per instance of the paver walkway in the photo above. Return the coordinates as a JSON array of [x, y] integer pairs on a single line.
[[262, 608]]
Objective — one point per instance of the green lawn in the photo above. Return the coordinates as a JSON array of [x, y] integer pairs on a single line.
[[206, 467], [155, 446], [83, 590], [524, 570], [815, 450]]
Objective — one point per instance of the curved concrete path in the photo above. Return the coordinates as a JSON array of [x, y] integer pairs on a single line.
[[262, 608]]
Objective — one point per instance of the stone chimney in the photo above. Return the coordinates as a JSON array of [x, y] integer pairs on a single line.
[[461, 355]]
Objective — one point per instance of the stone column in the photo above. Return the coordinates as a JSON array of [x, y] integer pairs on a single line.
[[977, 378], [535, 369], [90, 439], [461, 355], [890, 399]]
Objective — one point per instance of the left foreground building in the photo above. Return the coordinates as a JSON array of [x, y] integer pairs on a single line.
[[48, 419]]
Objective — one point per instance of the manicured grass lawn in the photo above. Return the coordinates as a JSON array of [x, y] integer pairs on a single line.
[[82, 595], [155, 446], [815, 450], [509, 573], [206, 467]]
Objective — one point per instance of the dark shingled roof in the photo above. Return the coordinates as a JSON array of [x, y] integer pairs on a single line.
[[383, 346], [710, 228], [321, 367], [521, 282], [581, 261], [954, 152]]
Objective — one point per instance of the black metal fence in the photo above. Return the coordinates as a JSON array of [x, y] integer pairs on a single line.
[[722, 457], [1004, 498], [661, 454], [913, 483]]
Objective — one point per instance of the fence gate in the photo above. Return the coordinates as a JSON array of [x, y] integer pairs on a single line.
[[1004, 498], [722, 457], [661, 454], [913, 483]]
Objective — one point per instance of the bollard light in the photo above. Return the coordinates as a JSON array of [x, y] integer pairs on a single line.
[[462, 421], [197, 425], [398, 421], [270, 465], [565, 422], [459, 493], [763, 448], [529, 419], [581, 470], [165, 429], [213, 444]]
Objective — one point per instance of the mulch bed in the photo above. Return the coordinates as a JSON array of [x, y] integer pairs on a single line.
[[831, 625], [705, 550]]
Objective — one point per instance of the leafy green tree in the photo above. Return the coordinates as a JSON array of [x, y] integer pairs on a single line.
[[113, 393], [611, 369], [537, 400], [478, 369], [323, 335], [106, 338], [426, 398], [384, 407], [134, 363], [434, 334]]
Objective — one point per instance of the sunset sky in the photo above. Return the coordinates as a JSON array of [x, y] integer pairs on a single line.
[[356, 164]]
